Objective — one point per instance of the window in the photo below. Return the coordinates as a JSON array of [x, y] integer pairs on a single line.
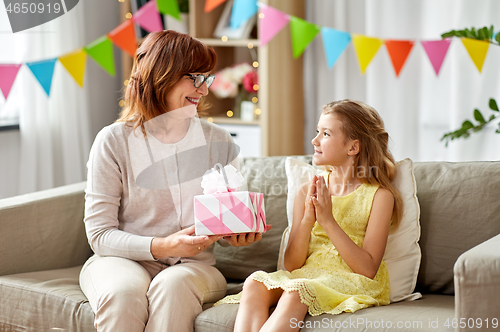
[[9, 114], [9, 109]]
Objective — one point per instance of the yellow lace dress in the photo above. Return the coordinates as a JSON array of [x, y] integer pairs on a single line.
[[325, 283]]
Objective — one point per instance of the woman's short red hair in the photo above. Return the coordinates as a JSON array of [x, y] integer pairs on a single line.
[[160, 61]]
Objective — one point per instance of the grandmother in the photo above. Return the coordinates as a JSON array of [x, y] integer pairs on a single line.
[[149, 271]]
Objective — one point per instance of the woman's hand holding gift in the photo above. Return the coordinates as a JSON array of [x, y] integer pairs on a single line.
[[244, 239], [181, 244]]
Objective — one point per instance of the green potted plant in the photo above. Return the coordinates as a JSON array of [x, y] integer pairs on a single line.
[[468, 127]]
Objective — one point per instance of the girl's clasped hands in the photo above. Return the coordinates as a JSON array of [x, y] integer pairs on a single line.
[[318, 203]]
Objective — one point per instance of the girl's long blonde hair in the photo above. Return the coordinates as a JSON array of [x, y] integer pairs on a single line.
[[362, 122]]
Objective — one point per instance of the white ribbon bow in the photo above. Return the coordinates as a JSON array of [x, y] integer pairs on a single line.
[[213, 181]]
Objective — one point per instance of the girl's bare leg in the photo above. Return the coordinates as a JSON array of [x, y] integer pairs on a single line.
[[289, 312], [254, 306]]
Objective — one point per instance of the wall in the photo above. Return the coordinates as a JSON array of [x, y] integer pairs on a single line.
[[102, 92]]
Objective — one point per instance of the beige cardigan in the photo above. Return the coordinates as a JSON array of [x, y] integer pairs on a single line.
[[139, 188]]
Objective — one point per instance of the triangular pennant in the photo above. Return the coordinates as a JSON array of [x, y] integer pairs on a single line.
[[212, 4], [398, 52], [43, 71], [169, 7], [271, 21], [101, 50], [334, 43], [436, 51], [242, 11], [366, 48], [477, 50], [148, 17], [303, 33], [8, 74], [75, 64], [124, 37]]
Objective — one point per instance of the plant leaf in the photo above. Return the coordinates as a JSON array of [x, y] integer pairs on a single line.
[[478, 128], [497, 38], [467, 125], [487, 33], [481, 35], [491, 32], [493, 105], [478, 116], [448, 34], [470, 34]]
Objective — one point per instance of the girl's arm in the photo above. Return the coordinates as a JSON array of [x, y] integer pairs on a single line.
[[365, 260], [304, 219]]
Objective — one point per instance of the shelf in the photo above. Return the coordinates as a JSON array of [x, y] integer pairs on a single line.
[[230, 42], [280, 123], [233, 121]]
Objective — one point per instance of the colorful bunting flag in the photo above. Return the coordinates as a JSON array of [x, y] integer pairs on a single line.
[[398, 52], [477, 50], [74, 63], [303, 33], [124, 37], [436, 51], [212, 4], [169, 7], [334, 43], [366, 48], [148, 17], [43, 71], [271, 21], [242, 11], [101, 50], [8, 74]]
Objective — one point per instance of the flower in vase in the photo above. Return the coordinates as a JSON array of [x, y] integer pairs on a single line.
[[228, 80], [239, 71], [224, 89], [250, 80]]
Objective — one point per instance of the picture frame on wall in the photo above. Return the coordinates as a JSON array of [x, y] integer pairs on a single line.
[[223, 27]]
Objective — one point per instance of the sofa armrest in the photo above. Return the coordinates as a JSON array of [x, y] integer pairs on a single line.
[[43, 230], [477, 285]]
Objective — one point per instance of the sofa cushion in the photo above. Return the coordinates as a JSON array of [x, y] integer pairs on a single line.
[[41, 301], [50, 222], [402, 254], [265, 175], [459, 210], [427, 314]]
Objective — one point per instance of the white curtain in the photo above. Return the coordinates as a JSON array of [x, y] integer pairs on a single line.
[[51, 149], [418, 107]]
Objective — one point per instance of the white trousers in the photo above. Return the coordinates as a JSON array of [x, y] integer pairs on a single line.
[[130, 296]]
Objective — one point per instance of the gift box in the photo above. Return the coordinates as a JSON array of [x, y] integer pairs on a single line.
[[223, 210]]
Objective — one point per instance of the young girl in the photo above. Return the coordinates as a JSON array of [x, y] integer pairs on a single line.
[[338, 237]]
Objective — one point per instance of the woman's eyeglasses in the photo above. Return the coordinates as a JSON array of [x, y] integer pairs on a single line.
[[199, 79]]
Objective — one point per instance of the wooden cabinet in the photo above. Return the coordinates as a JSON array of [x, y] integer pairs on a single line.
[[280, 106]]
